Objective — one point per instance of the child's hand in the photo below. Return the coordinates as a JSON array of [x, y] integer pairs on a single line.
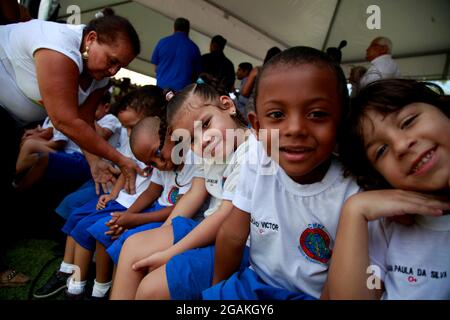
[[389, 203], [103, 200], [128, 220], [153, 261]]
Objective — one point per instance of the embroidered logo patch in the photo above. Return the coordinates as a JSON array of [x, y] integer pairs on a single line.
[[315, 243], [173, 195]]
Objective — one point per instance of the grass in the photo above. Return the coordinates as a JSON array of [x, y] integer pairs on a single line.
[[29, 256]]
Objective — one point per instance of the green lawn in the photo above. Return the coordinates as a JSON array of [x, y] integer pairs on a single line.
[[29, 256]]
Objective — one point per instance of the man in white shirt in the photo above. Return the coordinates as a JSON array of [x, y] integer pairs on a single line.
[[382, 66]]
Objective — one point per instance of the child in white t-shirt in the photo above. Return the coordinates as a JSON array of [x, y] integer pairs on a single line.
[[397, 140], [180, 254], [290, 194], [56, 158]]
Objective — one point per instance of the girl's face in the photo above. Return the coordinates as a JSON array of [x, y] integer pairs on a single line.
[[302, 103], [410, 147], [105, 60], [207, 125], [128, 118]]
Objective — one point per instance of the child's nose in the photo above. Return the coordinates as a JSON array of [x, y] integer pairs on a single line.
[[296, 126], [402, 145]]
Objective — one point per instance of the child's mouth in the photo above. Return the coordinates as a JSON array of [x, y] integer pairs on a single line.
[[296, 153], [424, 163]]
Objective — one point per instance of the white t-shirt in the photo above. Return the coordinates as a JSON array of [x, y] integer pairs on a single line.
[[382, 67], [293, 226], [18, 43], [174, 183], [414, 260], [110, 122], [221, 179]]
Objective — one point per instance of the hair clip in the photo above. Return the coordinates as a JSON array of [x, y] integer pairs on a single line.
[[169, 95], [200, 81], [99, 14]]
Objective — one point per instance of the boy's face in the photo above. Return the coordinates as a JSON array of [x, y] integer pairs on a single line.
[[128, 118], [241, 74], [303, 103], [146, 150], [410, 147]]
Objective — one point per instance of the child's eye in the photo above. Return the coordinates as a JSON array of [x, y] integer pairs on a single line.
[[206, 124], [408, 121], [380, 151], [276, 115], [318, 115]]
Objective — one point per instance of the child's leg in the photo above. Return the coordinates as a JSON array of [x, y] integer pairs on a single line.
[[69, 251], [82, 259], [137, 247], [28, 154], [154, 286], [35, 173], [103, 264]]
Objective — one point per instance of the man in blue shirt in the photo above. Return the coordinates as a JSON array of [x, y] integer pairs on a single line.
[[177, 58]]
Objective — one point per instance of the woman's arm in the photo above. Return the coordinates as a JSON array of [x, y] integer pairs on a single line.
[[230, 243], [58, 80]]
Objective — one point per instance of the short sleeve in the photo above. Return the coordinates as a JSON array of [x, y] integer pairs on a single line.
[[110, 122], [378, 245], [245, 182], [59, 136], [155, 55]]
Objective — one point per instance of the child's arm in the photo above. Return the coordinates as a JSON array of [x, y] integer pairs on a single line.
[[146, 198], [347, 277], [105, 198], [103, 132], [230, 244], [28, 154], [191, 201], [204, 234]]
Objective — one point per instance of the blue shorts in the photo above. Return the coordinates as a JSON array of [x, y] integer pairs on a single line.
[[247, 285], [98, 229], [81, 219], [64, 167], [77, 199], [191, 272]]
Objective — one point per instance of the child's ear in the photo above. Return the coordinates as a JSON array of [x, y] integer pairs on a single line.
[[107, 107], [253, 118], [228, 103]]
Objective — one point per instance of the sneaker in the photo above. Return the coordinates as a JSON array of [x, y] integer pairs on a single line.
[[56, 283], [71, 296]]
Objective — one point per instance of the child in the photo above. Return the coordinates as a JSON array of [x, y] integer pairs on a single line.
[[180, 253], [136, 105], [398, 138], [291, 212], [48, 159]]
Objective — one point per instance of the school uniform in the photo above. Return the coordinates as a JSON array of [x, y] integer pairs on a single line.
[[174, 183], [292, 231]]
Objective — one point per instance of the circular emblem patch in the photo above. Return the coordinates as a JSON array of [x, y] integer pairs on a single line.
[[173, 195], [315, 244]]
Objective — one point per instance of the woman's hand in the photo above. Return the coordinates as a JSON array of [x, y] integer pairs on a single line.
[[129, 169], [103, 174]]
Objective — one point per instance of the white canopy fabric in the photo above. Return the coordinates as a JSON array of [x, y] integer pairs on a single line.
[[419, 30]]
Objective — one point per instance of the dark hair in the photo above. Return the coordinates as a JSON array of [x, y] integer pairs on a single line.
[[246, 66], [205, 91], [109, 27], [296, 56], [336, 53], [182, 24], [385, 97], [106, 98], [271, 53], [220, 41]]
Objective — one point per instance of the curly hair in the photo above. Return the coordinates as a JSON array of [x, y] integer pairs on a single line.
[[385, 97]]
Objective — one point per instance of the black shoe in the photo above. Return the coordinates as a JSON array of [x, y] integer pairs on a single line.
[[71, 296], [56, 283], [105, 297]]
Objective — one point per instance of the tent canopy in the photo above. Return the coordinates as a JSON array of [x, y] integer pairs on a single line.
[[419, 30]]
